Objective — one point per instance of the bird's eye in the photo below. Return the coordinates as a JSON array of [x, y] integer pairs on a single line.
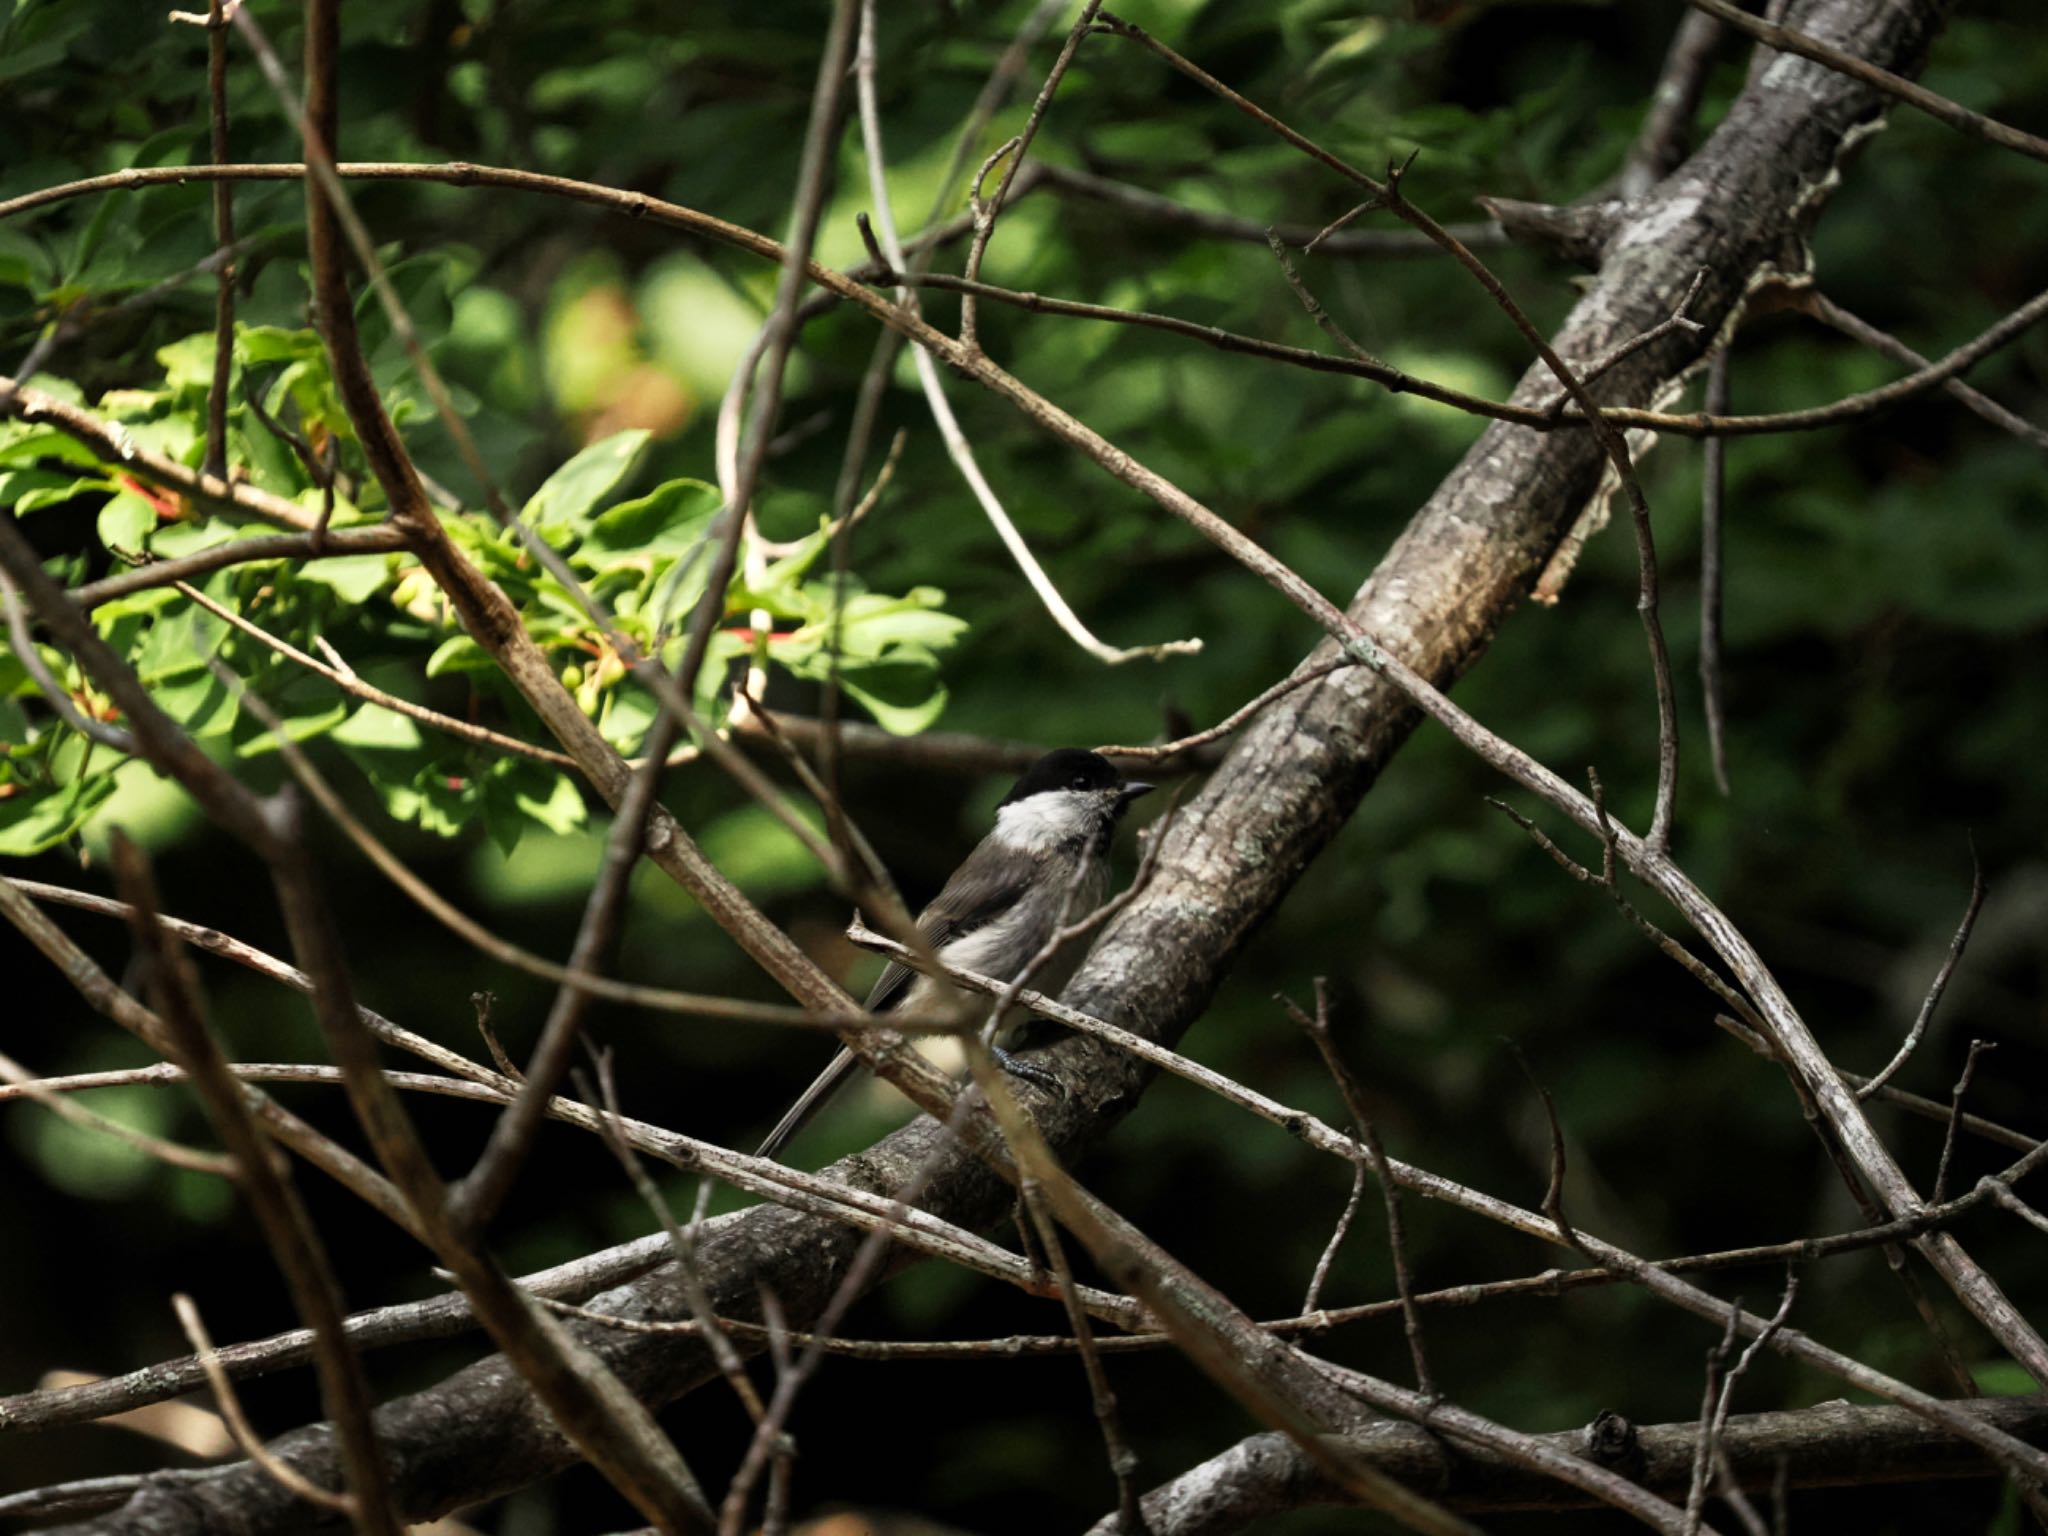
[[1080, 781]]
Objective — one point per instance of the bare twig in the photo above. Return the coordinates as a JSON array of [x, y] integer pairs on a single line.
[[216, 462], [1703, 1446], [1962, 1089], [1388, 194], [280, 1471], [1338, 1233], [1829, 313], [987, 212], [1660, 143], [350, 682], [889, 252], [848, 288], [1325, 322], [1071, 181], [216, 557], [321, 468], [293, 1241], [681, 1243], [1677, 320], [1123, 1462], [813, 178], [1721, 1393], [1233, 720], [1375, 1157], [1939, 985], [1784, 39], [1713, 502], [55, 694], [52, 1096]]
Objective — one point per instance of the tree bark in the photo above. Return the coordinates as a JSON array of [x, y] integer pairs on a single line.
[[1829, 1445], [1734, 207]]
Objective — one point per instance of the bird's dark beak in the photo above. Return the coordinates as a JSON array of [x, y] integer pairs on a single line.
[[1134, 790]]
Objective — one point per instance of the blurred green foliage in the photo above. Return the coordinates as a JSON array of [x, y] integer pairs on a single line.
[[1887, 672]]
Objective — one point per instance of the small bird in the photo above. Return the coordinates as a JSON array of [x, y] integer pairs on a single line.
[[1046, 862]]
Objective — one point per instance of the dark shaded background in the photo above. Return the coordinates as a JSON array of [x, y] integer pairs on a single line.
[[1887, 685]]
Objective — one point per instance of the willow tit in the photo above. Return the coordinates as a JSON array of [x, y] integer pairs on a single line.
[[1047, 861]]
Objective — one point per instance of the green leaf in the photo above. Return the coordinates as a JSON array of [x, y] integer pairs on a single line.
[[759, 853], [666, 521], [31, 822], [352, 578], [566, 497], [25, 444], [873, 624], [201, 703], [377, 729], [560, 810], [188, 364], [178, 642], [2002, 1378], [265, 344], [30, 490], [300, 727], [903, 699], [126, 522], [627, 714], [459, 653]]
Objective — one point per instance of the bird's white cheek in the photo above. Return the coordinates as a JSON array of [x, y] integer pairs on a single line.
[[1044, 821]]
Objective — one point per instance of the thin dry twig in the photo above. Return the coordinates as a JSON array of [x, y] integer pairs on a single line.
[[1072, 181], [346, 679], [54, 693], [1123, 1461], [1719, 1397], [53, 1097], [1321, 1274], [1713, 501], [1938, 986], [1785, 40], [1660, 143], [987, 212], [1703, 1445], [1677, 320], [216, 462], [1374, 1156], [322, 468], [887, 251], [153, 572], [251, 1445], [847, 287], [293, 1241], [681, 1243], [1829, 313], [1962, 1089]]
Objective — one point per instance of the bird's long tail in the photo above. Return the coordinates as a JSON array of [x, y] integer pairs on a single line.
[[812, 1100]]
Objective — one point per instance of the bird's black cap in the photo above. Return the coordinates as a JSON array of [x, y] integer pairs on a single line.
[[1068, 768]]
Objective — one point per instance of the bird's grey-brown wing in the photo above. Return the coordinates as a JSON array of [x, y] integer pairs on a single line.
[[981, 890], [987, 885]]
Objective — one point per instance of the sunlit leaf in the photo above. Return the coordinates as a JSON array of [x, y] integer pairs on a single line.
[[565, 498]]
